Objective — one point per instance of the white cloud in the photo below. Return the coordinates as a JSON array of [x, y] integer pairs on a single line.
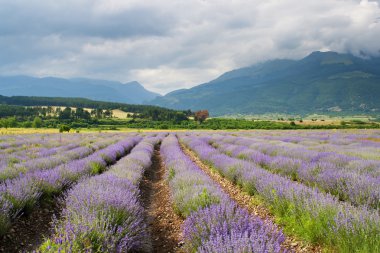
[[168, 45]]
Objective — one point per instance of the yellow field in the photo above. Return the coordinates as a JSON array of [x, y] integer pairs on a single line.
[[27, 130], [120, 114]]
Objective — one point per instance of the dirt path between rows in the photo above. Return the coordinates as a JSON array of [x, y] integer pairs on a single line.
[[29, 231], [165, 224], [246, 201]]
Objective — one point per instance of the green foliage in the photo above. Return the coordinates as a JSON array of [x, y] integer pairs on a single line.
[[249, 187], [37, 122], [202, 200], [27, 124], [92, 241], [64, 128], [358, 122], [357, 240], [8, 122], [96, 168], [4, 223], [65, 114], [171, 174], [231, 174], [18, 204], [164, 126], [310, 226], [16, 105], [166, 119]]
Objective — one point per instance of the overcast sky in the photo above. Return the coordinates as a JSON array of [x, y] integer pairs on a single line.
[[167, 45]]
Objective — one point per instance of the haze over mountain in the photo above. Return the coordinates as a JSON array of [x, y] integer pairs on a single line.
[[132, 92], [319, 83]]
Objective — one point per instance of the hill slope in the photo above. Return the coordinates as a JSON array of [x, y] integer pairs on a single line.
[[77, 102], [321, 82], [133, 92]]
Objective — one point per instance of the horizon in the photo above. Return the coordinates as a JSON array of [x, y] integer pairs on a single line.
[[169, 45], [164, 94]]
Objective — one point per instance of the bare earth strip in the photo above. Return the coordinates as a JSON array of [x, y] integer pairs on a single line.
[[246, 201], [29, 231], [165, 224]]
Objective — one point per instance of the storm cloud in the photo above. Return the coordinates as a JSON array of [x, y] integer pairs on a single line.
[[168, 45]]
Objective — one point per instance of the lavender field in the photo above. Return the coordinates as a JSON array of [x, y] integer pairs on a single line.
[[244, 191]]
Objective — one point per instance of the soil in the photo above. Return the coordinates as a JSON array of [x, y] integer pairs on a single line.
[[165, 224], [30, 230], [246, 201]]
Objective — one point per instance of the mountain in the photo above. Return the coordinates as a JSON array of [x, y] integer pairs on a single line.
[[132, 93], [322, 82]]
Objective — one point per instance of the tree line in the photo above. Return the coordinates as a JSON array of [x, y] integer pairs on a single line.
[[144, 111]]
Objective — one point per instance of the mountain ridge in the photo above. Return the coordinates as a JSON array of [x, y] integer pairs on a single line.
[[111, 91], [321, 82]]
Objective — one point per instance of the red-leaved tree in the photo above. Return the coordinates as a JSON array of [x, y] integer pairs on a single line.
[[201, 115]]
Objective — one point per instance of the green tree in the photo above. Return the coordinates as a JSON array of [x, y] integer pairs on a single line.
[[108, 113], [27, 124], [9, 122], [64, 128], [80, 113], [37, 122], [65, 114]]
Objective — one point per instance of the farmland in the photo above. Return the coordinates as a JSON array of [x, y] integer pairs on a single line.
[[191, 191]]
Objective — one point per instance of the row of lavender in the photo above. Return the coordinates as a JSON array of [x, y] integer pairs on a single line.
[[8, 142], [354, 144], [347, 147], [314, 169], [23, 193], [104, 213], [37, 144], [48, 158], [22, 148], [24, 190], [14, 149], [213, 222], [313, 215]]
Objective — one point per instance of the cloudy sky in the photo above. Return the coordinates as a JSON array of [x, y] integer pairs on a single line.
[[171, 44]]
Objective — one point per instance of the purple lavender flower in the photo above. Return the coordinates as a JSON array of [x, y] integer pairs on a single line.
[[213, 222], [315, 211], [103, 213]]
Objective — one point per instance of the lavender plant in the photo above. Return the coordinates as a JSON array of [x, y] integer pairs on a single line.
[[316, 216], [213, 222], [347, 185], [24, 192], [103, 213]]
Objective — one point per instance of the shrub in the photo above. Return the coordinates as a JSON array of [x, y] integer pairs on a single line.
[[64, 128]]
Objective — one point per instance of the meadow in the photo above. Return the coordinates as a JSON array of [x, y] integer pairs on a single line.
[[190, 191]]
